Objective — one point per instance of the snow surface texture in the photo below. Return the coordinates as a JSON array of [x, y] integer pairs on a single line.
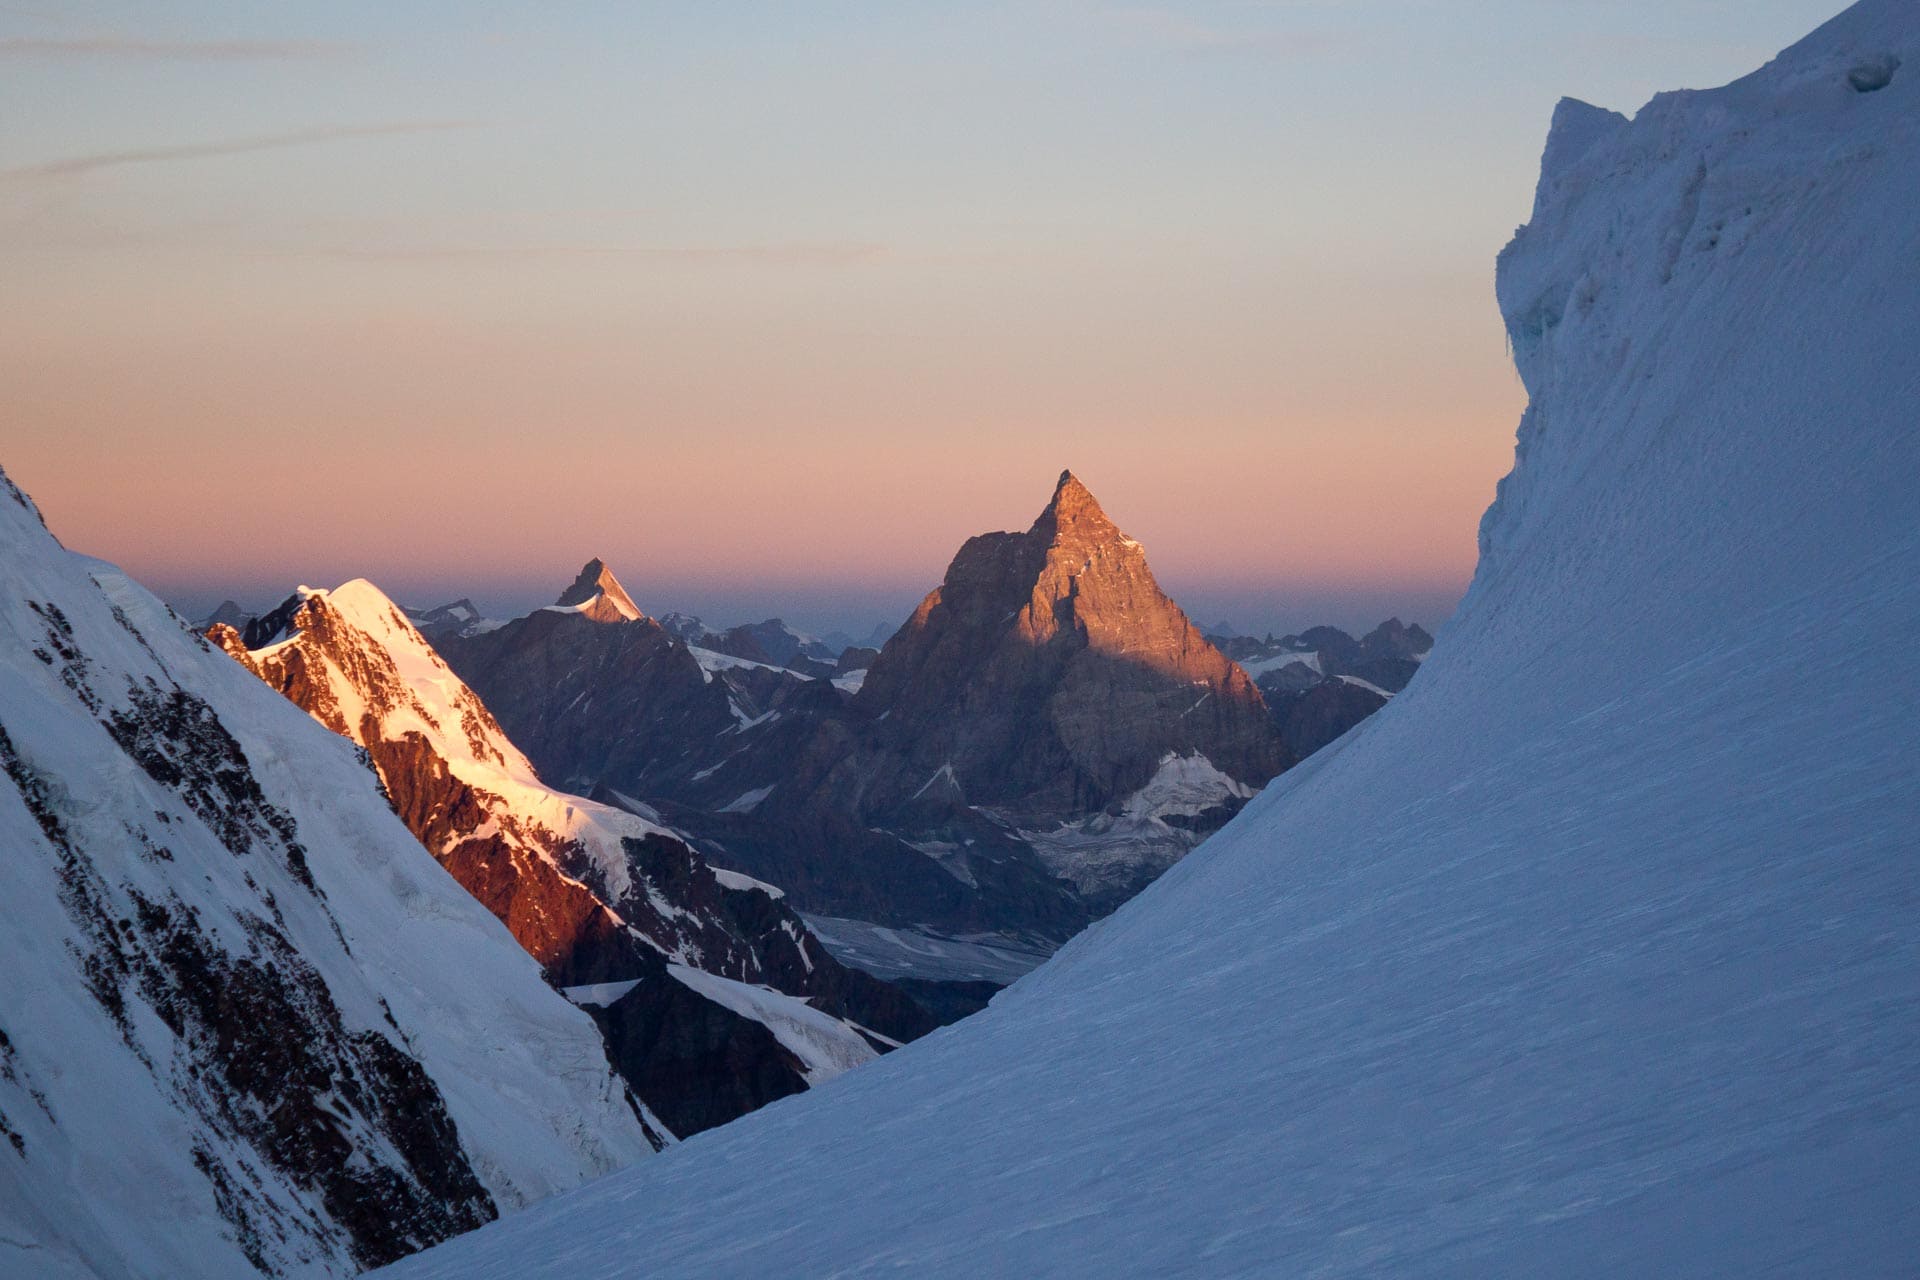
[[132, 1156], [1579, 958], [924, 953]]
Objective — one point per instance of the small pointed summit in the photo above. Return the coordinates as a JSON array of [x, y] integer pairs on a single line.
[[597, 581], [1072, 504]]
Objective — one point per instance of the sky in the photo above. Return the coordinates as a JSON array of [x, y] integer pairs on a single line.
[[772, 305]]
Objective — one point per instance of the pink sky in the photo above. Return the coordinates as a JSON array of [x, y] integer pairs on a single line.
[[439, 448], [773, 315]]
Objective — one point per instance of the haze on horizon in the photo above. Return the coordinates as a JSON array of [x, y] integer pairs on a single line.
[[772, 307]]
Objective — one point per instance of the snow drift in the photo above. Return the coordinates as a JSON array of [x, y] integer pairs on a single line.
[[1596, 952]]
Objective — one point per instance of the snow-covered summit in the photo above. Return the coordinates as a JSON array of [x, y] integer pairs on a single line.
[[1595, 952]]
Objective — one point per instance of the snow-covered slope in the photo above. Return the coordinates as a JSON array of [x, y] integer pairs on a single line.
[[1594, 953], [246, 1022], [359, 666], [599, 895]]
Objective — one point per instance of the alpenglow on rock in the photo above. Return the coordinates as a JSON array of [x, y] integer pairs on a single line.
[[1049, 675], [1044, 736], [598, 593]]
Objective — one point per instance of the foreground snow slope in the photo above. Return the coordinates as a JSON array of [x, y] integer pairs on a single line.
[[246, 1023], [1580, 958]]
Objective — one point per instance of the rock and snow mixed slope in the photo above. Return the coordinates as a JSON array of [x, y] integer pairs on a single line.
[[247, 1025], [1322, 682], [599, 695], [1594, 953], [603, 898], [1043, 736]]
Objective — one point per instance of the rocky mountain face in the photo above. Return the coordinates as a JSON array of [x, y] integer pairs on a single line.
[[1049, 676], [1322, 682], [597, 594], [595, 692], [622, 710], [698, 977], [772, 643], [248, 1026]]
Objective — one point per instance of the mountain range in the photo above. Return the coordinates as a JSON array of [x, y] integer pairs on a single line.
[[1042, 737], [1045, 734]]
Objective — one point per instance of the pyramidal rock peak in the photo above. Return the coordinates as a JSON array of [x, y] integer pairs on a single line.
[[599, 595], [1063, 626]]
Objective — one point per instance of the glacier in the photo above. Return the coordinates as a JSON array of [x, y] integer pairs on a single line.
[[1596, 951]]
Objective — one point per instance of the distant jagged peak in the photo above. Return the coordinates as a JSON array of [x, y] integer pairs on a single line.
[[597, 593], [230, 612], [685, 626], [462, 608]]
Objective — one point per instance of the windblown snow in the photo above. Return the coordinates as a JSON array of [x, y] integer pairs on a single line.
[[1597, 951]]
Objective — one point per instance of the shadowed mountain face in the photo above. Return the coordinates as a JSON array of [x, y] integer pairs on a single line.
[[594, 691], [1049, 676], [1322, 682]]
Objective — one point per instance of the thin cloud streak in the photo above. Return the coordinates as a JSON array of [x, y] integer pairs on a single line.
[[795, 253], [134, 49], [76, 165]]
